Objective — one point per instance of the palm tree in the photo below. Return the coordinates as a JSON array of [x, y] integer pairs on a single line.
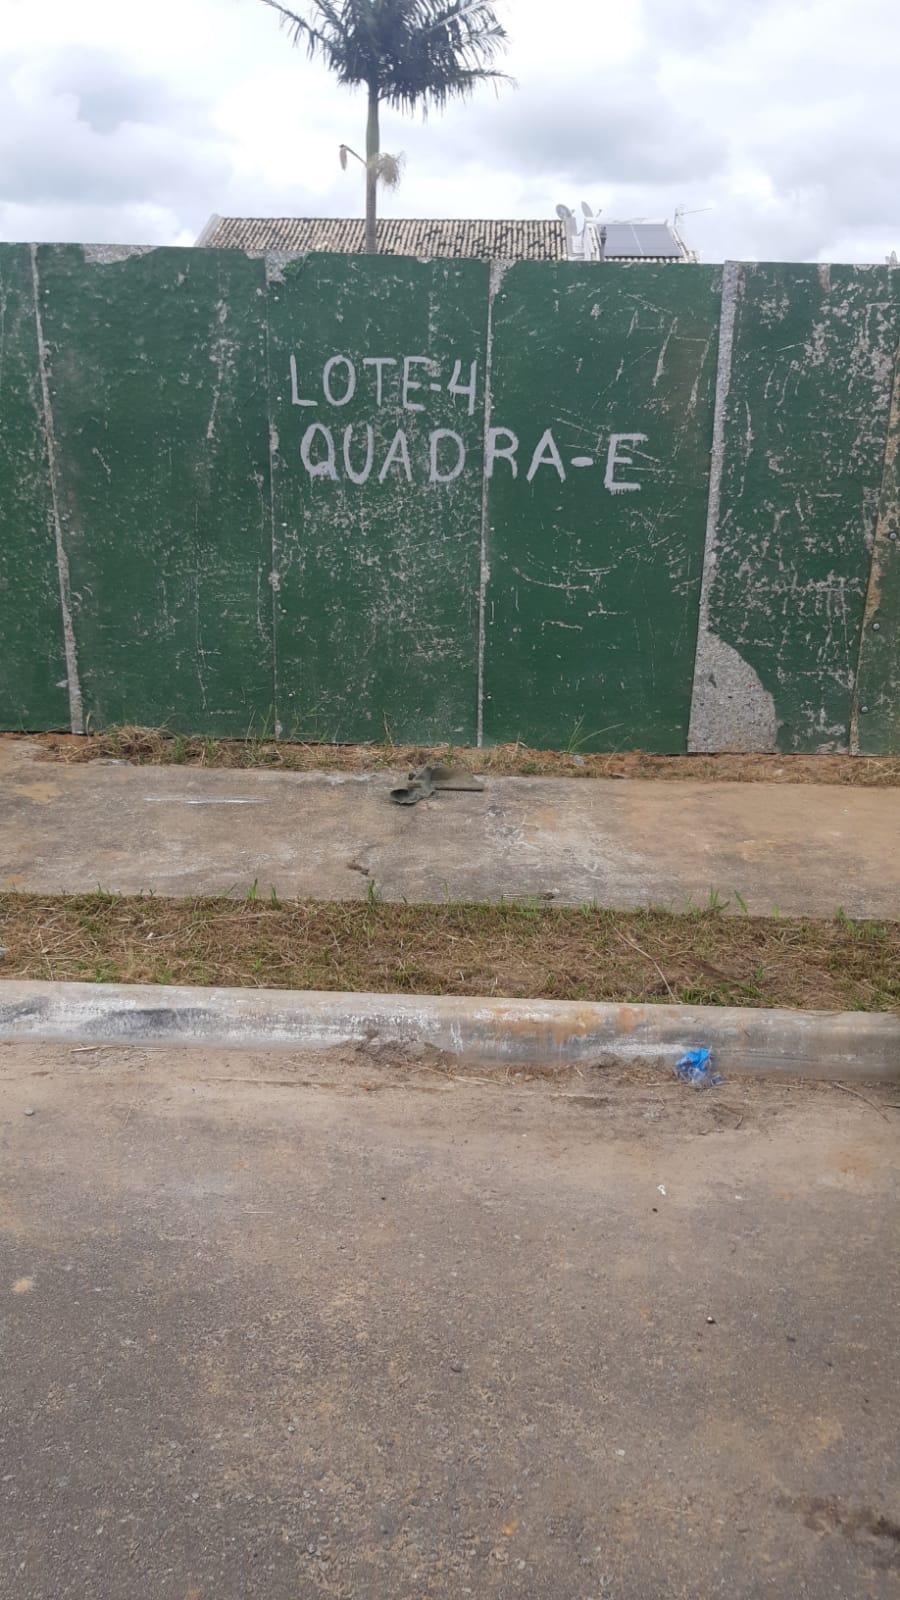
[[407, 53]]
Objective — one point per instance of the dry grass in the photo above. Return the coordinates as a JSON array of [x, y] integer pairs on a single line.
[[155, 746], [512, 949]]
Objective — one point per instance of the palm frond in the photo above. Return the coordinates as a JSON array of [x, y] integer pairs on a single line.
[[389, 169], [329, 39], [473, 19], [448, 47], [440, 93], [410, 52]]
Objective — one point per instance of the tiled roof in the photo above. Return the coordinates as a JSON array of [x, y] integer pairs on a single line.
[[397, 236], [485, 239]]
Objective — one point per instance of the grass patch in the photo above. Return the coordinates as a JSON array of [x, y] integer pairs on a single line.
[[513, 949], [155, 746]]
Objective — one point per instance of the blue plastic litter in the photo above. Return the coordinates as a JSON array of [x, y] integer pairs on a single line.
[[695, 1067]]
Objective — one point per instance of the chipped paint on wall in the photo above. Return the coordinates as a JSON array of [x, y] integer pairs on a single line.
[[342, 498], [804, 408], [155, 367], [73, 683], [595, 560], [107, 255], [876, 705], [377, 398], [498, 271], [730, 709], [33, 670]]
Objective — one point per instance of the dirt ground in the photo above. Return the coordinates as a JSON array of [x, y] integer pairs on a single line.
[[155, 746], [340, 1326]]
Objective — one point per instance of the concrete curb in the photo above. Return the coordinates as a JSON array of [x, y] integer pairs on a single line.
[[863, 1046]]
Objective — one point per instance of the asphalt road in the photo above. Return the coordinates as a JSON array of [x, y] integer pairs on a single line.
[[278, 1326]]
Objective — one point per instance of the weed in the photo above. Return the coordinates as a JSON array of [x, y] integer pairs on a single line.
[[753, 988], [576, 738], [104, 972], [701, 995], [515, 948], [305, 748]]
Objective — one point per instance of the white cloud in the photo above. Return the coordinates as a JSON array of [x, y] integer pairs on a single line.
[[774, 122]]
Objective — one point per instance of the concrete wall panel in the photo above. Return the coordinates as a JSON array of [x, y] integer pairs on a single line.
[[587, 506]]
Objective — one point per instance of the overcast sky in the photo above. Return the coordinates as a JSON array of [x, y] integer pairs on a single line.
[[775, 121]]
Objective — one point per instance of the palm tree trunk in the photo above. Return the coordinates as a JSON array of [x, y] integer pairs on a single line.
[[373, 141]]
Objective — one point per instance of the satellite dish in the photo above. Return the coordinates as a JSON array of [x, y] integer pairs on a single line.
[[586, 210], [564, 213]]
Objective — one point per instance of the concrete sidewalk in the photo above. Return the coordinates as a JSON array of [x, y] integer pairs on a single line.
[[183, 830]]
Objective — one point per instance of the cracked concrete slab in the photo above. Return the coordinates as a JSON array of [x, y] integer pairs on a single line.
[[802, 849]]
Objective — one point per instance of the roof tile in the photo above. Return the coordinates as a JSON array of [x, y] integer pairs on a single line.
[[485, 239]]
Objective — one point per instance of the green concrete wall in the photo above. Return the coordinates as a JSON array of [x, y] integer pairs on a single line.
[[804, 403], [342, 498], [594, 587]]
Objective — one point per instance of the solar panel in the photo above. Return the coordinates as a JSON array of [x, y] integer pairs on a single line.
[[640, 239]]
